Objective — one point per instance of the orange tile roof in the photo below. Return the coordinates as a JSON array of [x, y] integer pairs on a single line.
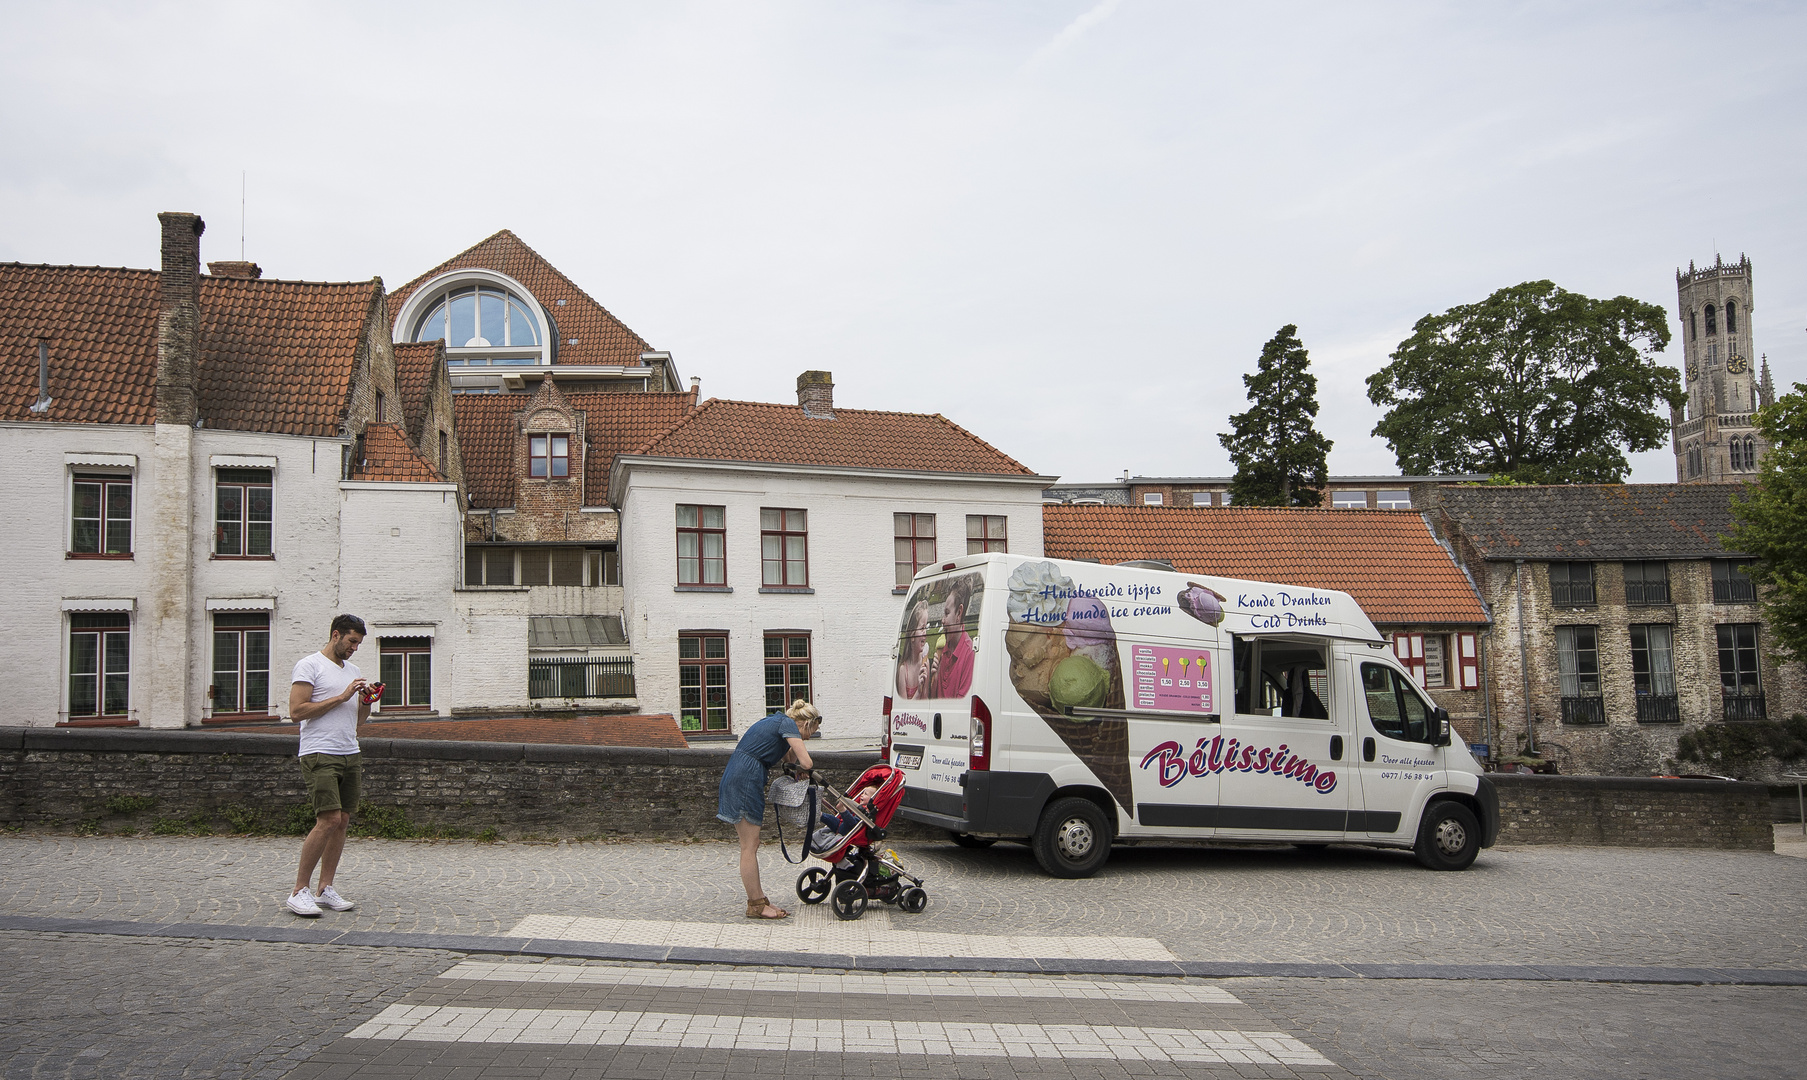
[[414, 368], [486, 431], [658, 730], [1388, 560], [852, 438], [601, 338], [389, 456], [613, 424], [275, 356]]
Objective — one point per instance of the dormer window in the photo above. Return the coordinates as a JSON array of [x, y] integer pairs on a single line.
[[485, 320], [549, 456]]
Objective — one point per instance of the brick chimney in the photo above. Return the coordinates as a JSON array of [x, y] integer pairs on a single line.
[[233, 268], [179, 317], [815, 394]]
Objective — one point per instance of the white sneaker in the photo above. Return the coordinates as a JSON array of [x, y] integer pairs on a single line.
[[329, 897], [302, 903]]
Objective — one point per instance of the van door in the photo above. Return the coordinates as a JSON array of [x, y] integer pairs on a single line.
[[934, 682], [1400, 768], [1285, 748]]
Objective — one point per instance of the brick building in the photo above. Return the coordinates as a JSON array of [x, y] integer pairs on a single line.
[[1406, 581], [205, 469], [1621, 619], [766, 550], [1340, 492]]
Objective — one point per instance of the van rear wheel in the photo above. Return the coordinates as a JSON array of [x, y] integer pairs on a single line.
[[1449, 837], [1073, 839]]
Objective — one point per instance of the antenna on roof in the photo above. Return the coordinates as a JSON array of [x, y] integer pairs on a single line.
[[241, 215]]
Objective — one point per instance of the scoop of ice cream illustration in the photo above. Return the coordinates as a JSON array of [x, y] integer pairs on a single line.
[[1202, 603], [1063, 663]]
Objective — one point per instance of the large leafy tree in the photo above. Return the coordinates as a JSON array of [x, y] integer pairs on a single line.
[[1279, 454], [1770, 523], [1534, 383]]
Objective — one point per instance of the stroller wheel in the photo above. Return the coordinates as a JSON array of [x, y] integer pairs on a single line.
[[850, 900], [913, 901], [813, 885]]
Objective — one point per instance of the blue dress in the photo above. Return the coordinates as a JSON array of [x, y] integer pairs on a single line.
[[742, 796]]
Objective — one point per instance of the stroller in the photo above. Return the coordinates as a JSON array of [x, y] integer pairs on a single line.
[[857, 874]]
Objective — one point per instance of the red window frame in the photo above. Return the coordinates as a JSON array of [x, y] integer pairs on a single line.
[[694, 524], [548, 456], [703, 654], [111, 520], [992, 535], [788, 671], [783, 547], [909, 538]]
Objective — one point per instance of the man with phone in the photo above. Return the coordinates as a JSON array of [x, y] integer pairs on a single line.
[[329, 698]]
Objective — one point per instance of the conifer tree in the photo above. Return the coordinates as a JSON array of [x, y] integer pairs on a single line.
[[1281, 458]]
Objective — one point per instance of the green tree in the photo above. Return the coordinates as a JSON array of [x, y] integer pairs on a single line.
[[1280, 457], [1536, 383], [1770, 523]]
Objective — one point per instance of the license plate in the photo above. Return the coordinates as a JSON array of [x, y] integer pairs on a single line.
[[909, 757]]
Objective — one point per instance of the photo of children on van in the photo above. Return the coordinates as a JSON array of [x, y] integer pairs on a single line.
[[1063, 662], [936, 651]]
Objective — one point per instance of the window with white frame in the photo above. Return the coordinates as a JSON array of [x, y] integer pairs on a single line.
[[101, 514], [914, 544], [1349, 500], [985, 533], [1393, 499], [482, 325], [241, 662], [1151, 498], [100, 665], [244, 513]]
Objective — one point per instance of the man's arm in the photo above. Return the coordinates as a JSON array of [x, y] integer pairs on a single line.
[[300, 708]]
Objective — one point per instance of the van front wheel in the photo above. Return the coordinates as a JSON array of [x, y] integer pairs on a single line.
[[1073, 839], [1449, 837]]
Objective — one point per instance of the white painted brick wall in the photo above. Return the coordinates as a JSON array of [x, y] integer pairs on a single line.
[[853, 614], [399, 561]]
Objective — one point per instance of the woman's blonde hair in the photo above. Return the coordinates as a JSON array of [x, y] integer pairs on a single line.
[[803, 712]]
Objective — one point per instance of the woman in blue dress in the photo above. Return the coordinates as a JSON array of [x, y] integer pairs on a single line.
[[779, 737]]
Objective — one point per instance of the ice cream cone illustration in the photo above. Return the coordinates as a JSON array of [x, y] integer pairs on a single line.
[[1063, 662]]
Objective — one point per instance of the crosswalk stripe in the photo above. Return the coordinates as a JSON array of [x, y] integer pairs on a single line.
[[815, 930], [573, 1027], [838, 984]]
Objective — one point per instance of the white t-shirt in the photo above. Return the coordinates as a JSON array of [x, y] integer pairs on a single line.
[[336, 730]]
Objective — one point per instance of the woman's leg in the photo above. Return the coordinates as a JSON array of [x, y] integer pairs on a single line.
[[749, 865]]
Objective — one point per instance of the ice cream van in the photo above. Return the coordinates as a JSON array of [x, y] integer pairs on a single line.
[[1075, 705]]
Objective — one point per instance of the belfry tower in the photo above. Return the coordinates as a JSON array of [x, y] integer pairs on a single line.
[[1716, 439]]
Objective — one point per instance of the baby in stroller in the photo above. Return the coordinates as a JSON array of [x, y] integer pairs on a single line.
[[859, 874]]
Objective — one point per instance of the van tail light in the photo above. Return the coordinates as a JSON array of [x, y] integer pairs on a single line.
[[884, 742], [979, 738]]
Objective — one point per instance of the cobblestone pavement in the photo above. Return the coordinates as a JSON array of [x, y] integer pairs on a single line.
[[1528, 905]]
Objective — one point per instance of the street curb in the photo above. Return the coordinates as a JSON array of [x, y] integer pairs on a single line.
[[315, 934]]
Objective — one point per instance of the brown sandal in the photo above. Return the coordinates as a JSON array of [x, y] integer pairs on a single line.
[[756, 909]]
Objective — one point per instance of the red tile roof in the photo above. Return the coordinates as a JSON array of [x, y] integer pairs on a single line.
[[414, 368], [601, 338], [852, 438], [659, 730], [389, 456], [1388, 560], [275, 356], [613, 424]]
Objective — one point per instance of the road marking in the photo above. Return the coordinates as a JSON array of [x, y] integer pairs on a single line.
[[815, 930], [573, 1027], [821, 983]]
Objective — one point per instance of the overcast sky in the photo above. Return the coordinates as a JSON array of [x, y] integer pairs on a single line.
[[1068, 226]]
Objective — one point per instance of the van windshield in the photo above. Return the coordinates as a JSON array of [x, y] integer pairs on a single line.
[[935, 646]]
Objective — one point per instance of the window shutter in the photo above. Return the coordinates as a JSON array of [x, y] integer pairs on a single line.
[[1469, 662], [1410, 650]]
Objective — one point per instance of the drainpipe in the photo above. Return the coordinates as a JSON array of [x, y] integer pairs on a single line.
[[1524, 671], [1485, 677]]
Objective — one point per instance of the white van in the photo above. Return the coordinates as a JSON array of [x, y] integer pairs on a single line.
[[1075, 704]]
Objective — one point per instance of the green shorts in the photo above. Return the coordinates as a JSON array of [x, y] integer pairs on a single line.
[[333, 780]]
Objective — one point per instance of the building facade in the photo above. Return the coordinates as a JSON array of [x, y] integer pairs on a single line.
[[1714, 436], [1340, 492]]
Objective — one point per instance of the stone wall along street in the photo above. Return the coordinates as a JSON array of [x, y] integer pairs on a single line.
[[60, 778]]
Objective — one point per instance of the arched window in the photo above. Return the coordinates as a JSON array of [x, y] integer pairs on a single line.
[[1731, 316], [1712, 326], [479, 317], [1737, 449], [1694, 326]]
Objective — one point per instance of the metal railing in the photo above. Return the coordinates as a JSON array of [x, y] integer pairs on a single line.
[[580, 678], [1583, 710], [1744, 707], [1658, 709]]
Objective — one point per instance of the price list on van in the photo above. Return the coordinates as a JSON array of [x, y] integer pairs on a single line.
[[1175, 680]]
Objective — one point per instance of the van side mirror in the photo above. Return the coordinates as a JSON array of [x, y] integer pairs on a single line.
[[1440, 727]]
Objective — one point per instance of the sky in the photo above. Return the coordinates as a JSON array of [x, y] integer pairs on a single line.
[[1067, 226]]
